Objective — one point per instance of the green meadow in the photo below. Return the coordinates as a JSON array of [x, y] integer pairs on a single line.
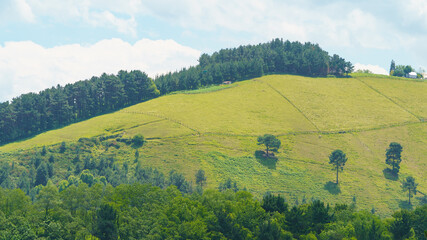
[[215, 129]]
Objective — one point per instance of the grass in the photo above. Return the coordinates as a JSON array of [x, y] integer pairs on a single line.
[[215, 129]]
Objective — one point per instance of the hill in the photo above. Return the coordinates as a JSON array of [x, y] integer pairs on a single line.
[[215, 129]]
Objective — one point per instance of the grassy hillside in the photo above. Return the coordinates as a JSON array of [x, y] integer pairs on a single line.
[[215, 130]]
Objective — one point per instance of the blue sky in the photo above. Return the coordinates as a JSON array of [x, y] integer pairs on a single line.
[[48, 42]]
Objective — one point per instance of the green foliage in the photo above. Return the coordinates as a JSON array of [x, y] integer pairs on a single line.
[[200, 178], [392, 68], [338, 159], [106, 223], [32, 113], [410, 186], [270, 142], [228, 184], [62, 148], [179, 181], [393, 156], [42, 174], [272, 203], [138, 140]]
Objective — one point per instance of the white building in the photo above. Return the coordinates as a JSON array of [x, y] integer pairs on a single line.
[[412, 75]]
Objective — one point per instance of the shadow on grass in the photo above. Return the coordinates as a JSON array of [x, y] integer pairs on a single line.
[[390, 175], [332, 188], [269, 161], [404, 204]]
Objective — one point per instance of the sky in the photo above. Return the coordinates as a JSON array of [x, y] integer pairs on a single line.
[[44, 43]]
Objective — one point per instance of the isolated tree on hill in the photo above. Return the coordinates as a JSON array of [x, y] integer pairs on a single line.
[[338, 159], [410, 186], [393, 156], [270, 142]]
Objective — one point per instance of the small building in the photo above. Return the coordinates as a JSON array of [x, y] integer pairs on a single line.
[[226, 82], [412, 75], [424, 75]]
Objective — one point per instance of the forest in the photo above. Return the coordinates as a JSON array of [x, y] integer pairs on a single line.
[[143, 211], [65, 192], [33, 113]]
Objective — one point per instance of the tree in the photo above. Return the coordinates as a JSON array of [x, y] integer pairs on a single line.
[[200, 178], [106, 223], [269, 141], [62, 148], [393, 156], [42, 174], [338, 159], [392, 67], [138, 140], [410, 186], [272, 203], [44, 151]]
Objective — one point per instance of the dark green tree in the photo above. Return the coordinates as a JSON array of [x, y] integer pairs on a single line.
[[338, 159], [228, 184], [42, 175], [62, 148], [44, 151], [270, 142], [138, 140], [393, 156], [201, 178], [106, 223], [392, 67], [272, 203], [410, 186], [401, 226]]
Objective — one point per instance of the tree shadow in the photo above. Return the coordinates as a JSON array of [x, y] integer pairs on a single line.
[[269, 162], [390, 175], [404, 204], [422, 199], [332, 188]]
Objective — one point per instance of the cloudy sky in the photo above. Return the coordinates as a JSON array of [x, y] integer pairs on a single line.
[[48, 42]]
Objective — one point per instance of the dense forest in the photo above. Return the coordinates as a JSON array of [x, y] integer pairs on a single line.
[[143, 211], [245, 62], [33, 113]]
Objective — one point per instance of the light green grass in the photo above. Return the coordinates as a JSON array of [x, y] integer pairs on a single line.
[[334, 104], [216, 130], [410, 95]]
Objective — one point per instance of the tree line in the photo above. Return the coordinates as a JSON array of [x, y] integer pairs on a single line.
[[143, 211], [32, 113], [245, 62]]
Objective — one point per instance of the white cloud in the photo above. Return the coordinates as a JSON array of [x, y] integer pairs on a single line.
[[373, 68], [24, 10], [29, 67], [106, 18]]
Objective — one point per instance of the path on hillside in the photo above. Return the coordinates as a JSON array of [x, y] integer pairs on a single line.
[[317, 131], [164, 118], [390, 99], [290, 102]]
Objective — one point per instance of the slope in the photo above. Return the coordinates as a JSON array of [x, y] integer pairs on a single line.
[[216, 131]]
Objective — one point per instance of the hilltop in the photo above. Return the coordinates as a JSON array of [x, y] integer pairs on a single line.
[[215, 129]]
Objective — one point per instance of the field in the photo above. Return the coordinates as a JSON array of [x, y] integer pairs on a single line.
[[215, 129]]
